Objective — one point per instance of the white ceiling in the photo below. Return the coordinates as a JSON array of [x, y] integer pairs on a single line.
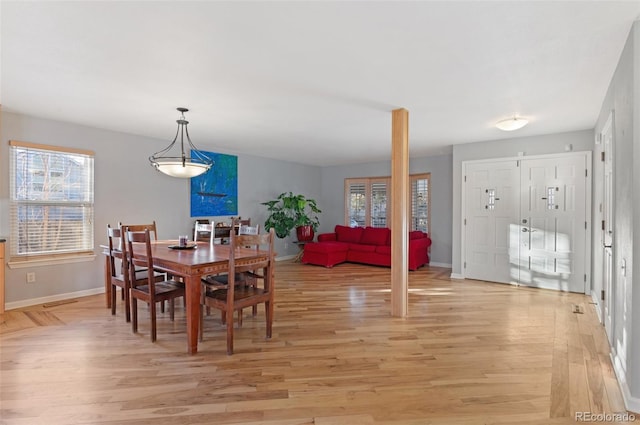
[[313, 82]]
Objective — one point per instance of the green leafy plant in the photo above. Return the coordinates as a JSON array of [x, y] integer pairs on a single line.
[[289, 211]]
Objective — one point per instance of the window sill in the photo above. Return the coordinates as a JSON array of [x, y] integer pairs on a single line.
[[50, 261]]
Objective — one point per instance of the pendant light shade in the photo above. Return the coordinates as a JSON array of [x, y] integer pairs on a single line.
[[511, 124], [183, 164]]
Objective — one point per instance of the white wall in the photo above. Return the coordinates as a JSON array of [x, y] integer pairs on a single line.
[[534, 145], [623, 97], [440, 169], [128, 189]]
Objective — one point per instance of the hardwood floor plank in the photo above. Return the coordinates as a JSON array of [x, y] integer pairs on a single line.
[[470, 352]]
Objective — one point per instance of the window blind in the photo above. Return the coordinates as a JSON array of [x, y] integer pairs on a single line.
[[420, 203], [356, 204], [366, 201], [52, 201], [379, 204]]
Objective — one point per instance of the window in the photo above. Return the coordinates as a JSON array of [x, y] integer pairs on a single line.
[[420, 203], [366, 201], [51, 210]]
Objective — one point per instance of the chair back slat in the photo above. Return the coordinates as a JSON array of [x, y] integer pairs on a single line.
[[204, 232], [140, 237], [140, 228]]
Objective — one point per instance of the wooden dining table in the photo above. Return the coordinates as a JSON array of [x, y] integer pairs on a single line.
[[191, 265]]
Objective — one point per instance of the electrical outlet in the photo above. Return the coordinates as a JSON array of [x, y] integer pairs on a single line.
[[31, 277], [286, 245]]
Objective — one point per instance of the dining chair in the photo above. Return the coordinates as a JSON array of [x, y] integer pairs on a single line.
[[151, 292], [220, 281], [249, 277], [119, 270], [153, 229], [141, 227], [236, 297], [204, 232]]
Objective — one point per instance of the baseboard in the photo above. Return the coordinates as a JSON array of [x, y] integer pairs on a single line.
[[631, 403], [436, 264], [52, 298], [456, 276], [597, 307], [286, 257]]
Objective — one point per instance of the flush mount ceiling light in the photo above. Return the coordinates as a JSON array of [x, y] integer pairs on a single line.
[[511, 124], [183, 166]]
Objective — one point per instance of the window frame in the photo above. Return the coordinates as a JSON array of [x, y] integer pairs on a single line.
[[82, 245], [368, 183]]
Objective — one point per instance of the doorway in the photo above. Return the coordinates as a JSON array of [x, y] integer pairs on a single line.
[[525, 221]]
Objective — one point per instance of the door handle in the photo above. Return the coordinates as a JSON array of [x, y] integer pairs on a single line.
[[524, 229]]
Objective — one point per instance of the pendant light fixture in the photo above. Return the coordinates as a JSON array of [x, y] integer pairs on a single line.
[[511, 124], [183, 166]]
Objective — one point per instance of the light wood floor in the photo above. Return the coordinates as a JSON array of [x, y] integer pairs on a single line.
[[470, 353]]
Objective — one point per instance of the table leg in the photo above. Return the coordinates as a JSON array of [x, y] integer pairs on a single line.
[[192, 292], [107, 280]]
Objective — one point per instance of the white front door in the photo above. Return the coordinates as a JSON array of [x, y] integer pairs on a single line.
[[553, 223], [525, 221], [491, 200]]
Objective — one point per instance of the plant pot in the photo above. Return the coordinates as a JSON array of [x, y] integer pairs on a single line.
[[305, 233]]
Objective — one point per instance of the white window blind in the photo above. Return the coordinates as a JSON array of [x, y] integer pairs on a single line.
[[379, 203], [366, 201], [356, 203], [51, 207], [420, 203]]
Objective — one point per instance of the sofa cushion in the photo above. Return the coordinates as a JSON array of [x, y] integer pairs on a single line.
[[384, 249], [326, 237], [375, 235], [361, 247], [326, 247], [417, 234], [348, 234]]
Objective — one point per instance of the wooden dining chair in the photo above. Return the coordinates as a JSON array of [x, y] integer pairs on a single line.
[[119, 270], [220, 281], [151, 292], [236, 297], [153, 229], [204, 232]]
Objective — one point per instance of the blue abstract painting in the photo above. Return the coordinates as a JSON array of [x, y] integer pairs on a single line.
[[215, 192]]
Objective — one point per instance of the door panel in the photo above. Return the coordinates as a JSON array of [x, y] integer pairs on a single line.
[[553, 200], [525, 222], [491, 207]]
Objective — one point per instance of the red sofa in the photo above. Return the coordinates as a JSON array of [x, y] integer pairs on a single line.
[[366, 245]]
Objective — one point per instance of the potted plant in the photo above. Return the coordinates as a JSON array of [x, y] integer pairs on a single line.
[[288, 212]]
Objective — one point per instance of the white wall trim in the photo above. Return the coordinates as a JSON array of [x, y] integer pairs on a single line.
[[51, 261], [286, 257], [456, 276], [436, 264], [52, 298], [631, 403], [597, 306]]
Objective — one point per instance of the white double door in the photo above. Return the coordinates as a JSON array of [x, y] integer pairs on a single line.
[[525, 221]]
